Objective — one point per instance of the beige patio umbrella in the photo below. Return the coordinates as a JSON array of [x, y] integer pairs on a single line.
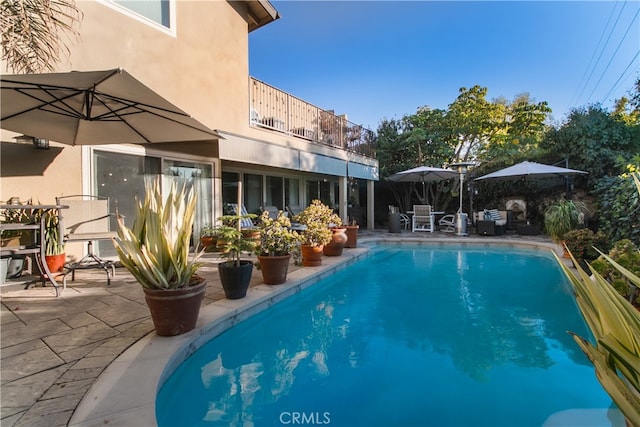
[[423, 174], [92, 108], [530, 169]]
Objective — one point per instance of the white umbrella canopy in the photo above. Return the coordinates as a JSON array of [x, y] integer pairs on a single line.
[[92, 108], [423, 174], [532, 169]]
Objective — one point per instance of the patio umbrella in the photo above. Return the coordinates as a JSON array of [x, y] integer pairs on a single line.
[[424, 174], [530, 169], [94, 107]]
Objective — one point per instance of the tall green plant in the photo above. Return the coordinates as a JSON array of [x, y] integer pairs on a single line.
[[615, 325], [562, 217], [53, 240], [232, 240], [156, 248]]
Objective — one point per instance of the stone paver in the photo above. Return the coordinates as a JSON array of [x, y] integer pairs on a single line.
[[53, 349]]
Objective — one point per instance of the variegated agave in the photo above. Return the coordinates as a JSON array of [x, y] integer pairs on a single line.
[[615, 325], [156, 248]]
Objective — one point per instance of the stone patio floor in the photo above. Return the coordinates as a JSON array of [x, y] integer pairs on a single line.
[[53, 349]]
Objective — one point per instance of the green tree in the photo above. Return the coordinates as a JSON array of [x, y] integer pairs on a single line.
[[32, 33], [473, 121], [595, 141]]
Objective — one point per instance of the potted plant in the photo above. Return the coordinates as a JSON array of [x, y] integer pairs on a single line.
[[581, 243], [277, 243], [156, 251], [316, 218], [562, 217], [615, 324], [208, 237], [235, 273], [352, 235], [55, 256]]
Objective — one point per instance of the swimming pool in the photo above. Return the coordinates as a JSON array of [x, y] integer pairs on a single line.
[[443, 336]]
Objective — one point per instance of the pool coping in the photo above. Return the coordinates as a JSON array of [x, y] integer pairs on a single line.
[[125, 393]]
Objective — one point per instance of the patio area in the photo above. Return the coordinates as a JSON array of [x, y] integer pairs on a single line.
[[54, 349]]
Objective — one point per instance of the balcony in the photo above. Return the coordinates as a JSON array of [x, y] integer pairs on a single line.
[[278, 111]]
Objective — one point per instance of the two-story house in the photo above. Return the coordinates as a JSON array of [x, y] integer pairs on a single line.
[[284, 150]]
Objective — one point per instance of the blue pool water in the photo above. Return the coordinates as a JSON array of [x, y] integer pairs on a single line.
[[410, 336]]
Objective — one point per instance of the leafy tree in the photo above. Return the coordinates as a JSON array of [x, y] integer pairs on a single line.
[[32, 32], [473, 121], [524, 128], [594, 141], [472, 128]]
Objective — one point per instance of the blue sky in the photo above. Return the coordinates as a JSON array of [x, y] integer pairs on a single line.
[[383, 59]]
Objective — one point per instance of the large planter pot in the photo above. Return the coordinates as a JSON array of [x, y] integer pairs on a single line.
[[55, 263], [311, 255], [175, 311], [274, 268], [352, 236], [4, 268], [335, 246], [235, 279]]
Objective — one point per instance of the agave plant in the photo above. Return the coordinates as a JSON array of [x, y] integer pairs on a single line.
[[156, 248], [615, 325]]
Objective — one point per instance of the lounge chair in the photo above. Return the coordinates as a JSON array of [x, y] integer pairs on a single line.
[[273, 211], [244, 222], [293, 210], [422, 218]]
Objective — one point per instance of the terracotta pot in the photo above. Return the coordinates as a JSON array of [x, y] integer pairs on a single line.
[[55, 263], [311, 255], [235, 279], [175, 311], [208, 243], [335, 246], [352, 236], [274, 268]]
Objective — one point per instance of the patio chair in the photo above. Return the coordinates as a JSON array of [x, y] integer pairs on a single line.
[[87, 219], [405, 221], [422, 218], [447, 223]]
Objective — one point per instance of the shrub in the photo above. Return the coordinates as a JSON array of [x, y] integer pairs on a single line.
[[627, 255], [583, 241]]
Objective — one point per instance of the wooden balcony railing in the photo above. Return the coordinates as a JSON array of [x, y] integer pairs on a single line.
[[279, 111]]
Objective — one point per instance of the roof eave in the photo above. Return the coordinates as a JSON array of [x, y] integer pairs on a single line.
[[261, 13]]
